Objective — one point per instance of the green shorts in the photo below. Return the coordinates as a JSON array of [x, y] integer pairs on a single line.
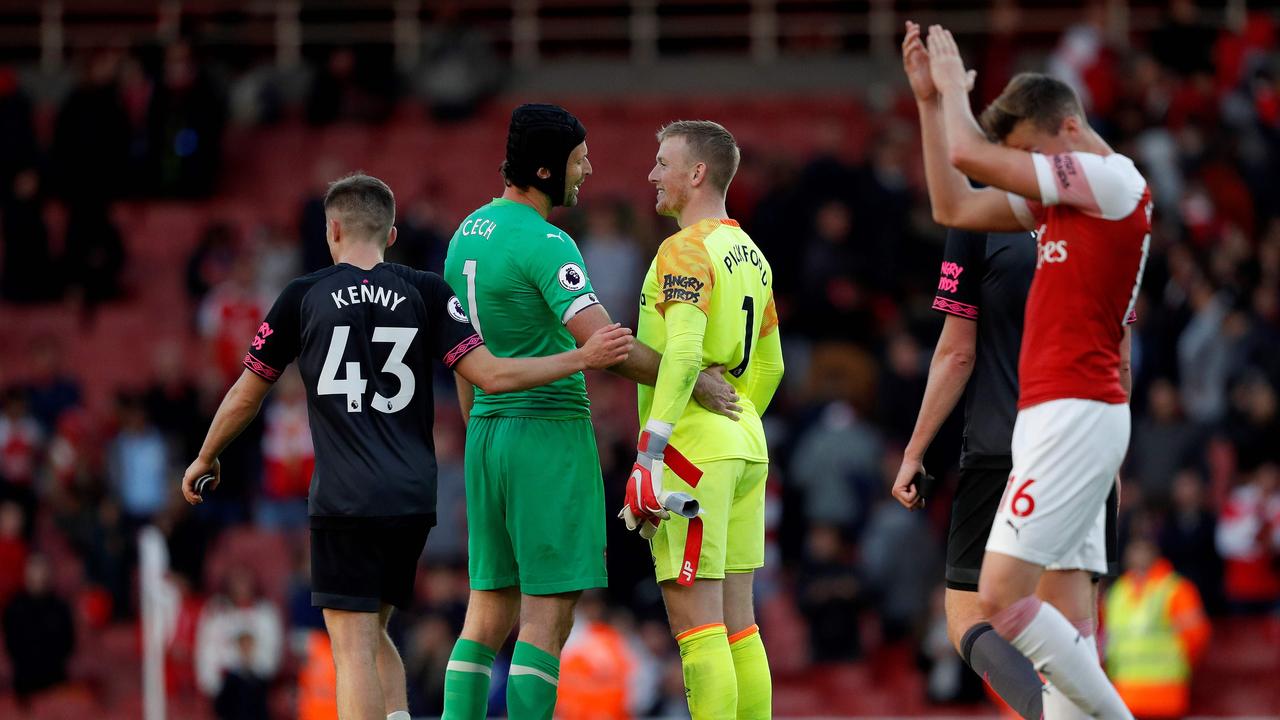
[[535, 505], [731, 494]]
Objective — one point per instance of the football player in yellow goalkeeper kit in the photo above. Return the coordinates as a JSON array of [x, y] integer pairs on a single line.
[[697, 488]]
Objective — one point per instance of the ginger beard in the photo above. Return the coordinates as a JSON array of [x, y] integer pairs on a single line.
[[670, 177]]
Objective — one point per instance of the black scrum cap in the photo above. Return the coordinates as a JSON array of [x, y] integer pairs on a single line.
[[541, 136]]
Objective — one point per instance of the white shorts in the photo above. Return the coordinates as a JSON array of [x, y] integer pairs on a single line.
[[1066, 454]]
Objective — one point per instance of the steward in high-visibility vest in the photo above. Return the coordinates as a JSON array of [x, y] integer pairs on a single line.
[[1156, 630], [317, 680]]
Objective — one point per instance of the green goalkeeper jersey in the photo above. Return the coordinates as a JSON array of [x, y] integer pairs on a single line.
[[520, 279]]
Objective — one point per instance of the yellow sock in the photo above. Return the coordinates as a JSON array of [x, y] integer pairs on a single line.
[[751, 666], [709, 681]]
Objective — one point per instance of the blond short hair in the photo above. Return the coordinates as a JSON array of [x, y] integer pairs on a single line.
[[708, 143]]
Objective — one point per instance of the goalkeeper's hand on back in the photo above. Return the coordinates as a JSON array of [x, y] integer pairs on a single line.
[[647, 504]]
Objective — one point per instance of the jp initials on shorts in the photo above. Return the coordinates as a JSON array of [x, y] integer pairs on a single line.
[[1066, 454], [731, 494]]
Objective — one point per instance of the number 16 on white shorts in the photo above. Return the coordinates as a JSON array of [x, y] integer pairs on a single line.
[[1066, 454]]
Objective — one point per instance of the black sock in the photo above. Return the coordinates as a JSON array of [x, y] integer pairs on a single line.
[[1006, 670]]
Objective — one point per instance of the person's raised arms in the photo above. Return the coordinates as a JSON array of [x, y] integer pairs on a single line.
[[968, 148], [952, 199]]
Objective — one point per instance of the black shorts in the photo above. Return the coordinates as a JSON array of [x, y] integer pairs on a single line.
[[972, 512], [359, 564]]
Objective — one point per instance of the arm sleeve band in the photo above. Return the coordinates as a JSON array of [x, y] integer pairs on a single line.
[[766, 371], [681, 362]]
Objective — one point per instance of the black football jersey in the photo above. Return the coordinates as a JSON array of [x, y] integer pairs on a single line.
[[364, 341], [986, 278]]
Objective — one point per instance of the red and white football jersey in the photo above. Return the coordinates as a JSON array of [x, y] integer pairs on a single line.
[[1093, 229]]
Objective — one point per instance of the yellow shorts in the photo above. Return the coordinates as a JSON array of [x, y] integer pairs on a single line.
[[731, 494]]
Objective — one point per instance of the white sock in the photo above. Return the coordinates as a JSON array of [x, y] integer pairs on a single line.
[[399, 715], [1058, 706], [1069, 661]]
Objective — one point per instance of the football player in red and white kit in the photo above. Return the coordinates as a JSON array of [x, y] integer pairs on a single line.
[[1048, 171]]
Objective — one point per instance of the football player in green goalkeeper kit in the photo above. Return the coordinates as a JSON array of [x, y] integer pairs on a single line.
[[535, 497], [707, 299]]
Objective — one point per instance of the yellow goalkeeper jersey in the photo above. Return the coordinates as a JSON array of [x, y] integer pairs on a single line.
[[715, 266]]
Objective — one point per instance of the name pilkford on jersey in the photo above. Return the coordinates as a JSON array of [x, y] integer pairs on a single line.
[[744, 254], [356, 294]]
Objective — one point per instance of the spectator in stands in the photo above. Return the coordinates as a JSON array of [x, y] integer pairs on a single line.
[[13, 551], [187, 536], [240, 610], [352, 86], [596, 666], [180, 650], [1248, 537], [1163, 442], [1204, 355], [289, 458], [18, 147], [39, 633], [186, 118], [420, 242], [51, 389], [211, 262], [303, 617], [229, 314], [884, 201], [1084, 61], [829, 594], [96, 529], [172, 401], [1187, 538], [670, 701], [317, 679], [999, 51], [901, 590], [1183, 43], [653, 652], [947, 680], [90, 153], [459, 69], [94, 257], [615, 259], [837, 463], [425, 659], [22, 447], [138, 464], [244, 689], [448, 544], [277, 258], [25, 263], [311, 222], [1253, 423], [1156, 631], [834, 302], [901, 387]]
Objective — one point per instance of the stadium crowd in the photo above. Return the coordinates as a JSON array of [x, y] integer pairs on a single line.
[[855, 256]]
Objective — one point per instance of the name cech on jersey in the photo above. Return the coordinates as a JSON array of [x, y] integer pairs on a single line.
[[356, 294], [479, 226]]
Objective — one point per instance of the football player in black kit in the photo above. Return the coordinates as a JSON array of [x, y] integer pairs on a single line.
[[982, 290], [364, 332]]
